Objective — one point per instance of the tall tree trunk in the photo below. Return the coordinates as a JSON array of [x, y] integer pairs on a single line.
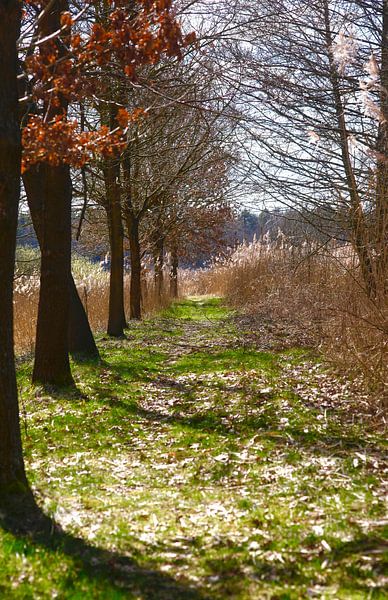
[[80, 337], [359, 230], [381, 212], [116, 319], [132, 219], [134, 247], [52, 348], [51, 364], [12, 474], [174, 272]]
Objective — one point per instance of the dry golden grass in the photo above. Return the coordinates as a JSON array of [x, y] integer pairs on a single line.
[[93, 288], [317, 288], [26, 296]]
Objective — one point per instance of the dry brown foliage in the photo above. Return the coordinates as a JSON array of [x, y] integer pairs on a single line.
[[314, 288], [93, 288]]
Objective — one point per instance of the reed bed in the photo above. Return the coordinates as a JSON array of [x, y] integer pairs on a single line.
[[316, 287], [92, 282]]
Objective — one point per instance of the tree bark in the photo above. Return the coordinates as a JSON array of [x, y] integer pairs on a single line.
[[134, 247], [132, 219], [381, 210], [12, 473], [52, 364], [116, 320], [359, 230], [80, 336]]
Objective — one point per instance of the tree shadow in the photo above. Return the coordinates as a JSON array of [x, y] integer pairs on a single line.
[[187, 411], [118, 572], [215, 419], [371, 544], [109, 572], [117, 576], [81, 358]]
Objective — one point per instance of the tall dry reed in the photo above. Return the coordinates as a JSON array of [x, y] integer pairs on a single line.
[[93, 287], [315, 286]]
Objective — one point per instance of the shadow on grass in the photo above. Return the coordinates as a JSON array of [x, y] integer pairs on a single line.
[[217, 419], [235, 359], [138, 366], [100, 573], [145, 365], [291, 438], [187, 411], [373, 544], [346, 568]]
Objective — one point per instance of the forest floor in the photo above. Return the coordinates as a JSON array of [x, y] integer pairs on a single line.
[[207, 457]]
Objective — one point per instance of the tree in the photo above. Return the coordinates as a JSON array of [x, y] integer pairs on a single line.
[[80, 337], [58, 64], [381, 210], [111, 170], [12, 474], [177, 148], [52, 344], [313, 136]]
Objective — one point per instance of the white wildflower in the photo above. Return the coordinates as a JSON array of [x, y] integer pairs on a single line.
[[369, 106], [371, 84]]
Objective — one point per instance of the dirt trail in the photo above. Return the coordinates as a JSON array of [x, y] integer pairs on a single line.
[[227, 461]]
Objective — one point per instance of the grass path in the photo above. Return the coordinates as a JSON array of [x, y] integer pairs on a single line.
[[198, 463]]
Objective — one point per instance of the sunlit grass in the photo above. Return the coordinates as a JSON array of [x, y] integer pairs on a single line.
[[201, 308], [190, 467]]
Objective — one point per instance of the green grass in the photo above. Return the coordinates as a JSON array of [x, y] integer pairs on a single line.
[[198, 309], [236, 359], [190, 466]]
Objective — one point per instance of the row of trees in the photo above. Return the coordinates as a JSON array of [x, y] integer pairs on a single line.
[[311, 98], [107, 100], [145, 125]]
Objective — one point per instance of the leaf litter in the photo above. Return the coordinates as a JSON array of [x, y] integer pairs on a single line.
[[254, 479]]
